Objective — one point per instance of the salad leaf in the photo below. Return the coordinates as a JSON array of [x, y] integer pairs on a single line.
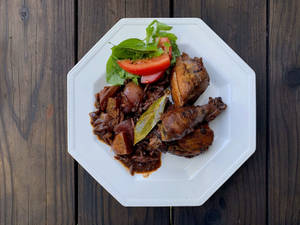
[[149, 119], [125, 75], [172, 37], [167, 45], [149, 32], [130, 53], [157, 29], [115, 75], [175, 52], [137, 45]]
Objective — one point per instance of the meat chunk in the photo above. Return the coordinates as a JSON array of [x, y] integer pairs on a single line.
[[178, 122], [103, 118], [189, 80], [112, 107], [104, 94], [122, 144], [194, 143], [152, 93], [197, 141], [103, 127], [155, 142], [94, 116], [131, 97], [126, 126], [103, 123]]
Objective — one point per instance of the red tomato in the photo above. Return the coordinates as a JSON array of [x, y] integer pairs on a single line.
[[145, 66], [152, 78], [161, 44]]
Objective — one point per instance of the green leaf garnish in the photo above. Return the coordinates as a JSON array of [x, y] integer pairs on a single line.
[[134, 48], [149, 119]]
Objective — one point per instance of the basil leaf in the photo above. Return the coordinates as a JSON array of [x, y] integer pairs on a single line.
[[157, 29], [172, 37], [115, 75], [167, 45], [125, 75], [149, 31], [135, 48], [162, 26], [123, 53], [136, 44], [149, 119], [175, 52]]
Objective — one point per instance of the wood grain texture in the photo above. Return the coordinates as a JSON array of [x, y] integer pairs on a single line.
[[36, 173], [284, 114], [242, 199], [147, 8], [95, 205]]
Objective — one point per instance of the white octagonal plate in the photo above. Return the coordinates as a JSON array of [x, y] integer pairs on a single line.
[[179, 181]]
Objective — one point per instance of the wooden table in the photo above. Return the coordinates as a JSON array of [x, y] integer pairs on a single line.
[[40, 40]]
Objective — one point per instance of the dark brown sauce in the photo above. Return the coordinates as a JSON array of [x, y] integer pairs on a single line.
[[132, 163], [145, 168], [143, 158]]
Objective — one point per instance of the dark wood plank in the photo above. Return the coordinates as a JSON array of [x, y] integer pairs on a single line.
[[284, 113], [95, 205], [148, 8], [242, 199], [36, 173]]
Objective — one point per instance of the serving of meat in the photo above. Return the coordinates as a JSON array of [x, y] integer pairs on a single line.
[[180, 128], [189, 80], [194, 143], [180, 121]]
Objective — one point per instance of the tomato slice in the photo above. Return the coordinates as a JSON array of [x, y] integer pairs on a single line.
[[161, 44], [152, 78], [145, 66]]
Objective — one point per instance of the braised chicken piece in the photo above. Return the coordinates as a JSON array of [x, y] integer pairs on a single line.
[[189, 80], [194, 143], [178, 122], [216, 106], [199, 140]]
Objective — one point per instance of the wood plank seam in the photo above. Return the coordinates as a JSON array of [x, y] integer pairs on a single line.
[[267, 109], [75, 61]]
